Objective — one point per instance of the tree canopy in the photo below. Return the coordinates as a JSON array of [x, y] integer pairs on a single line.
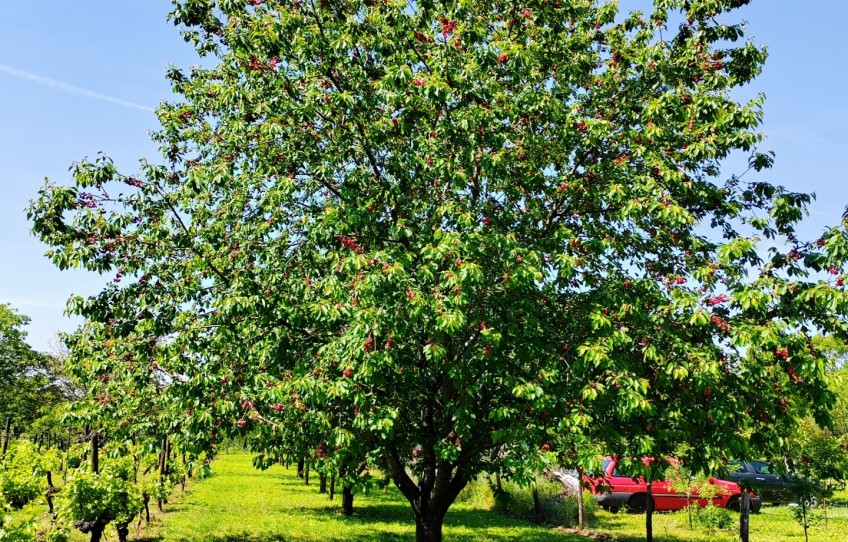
[[437, 236], [27, 387]]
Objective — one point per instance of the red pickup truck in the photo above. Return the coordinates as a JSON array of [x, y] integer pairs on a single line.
[[612, 490]]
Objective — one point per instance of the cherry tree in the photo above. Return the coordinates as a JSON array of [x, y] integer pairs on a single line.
[[439, 236]]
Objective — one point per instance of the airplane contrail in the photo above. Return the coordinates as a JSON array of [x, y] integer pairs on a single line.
[[69, 88]]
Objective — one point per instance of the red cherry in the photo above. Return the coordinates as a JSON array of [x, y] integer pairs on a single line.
[[242, 423]]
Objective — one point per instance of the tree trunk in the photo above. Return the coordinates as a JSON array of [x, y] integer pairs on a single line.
[[306, 473], [97, 532], [537, 504], [146, 500], [428, 529], [50, 491], [322, 483], [581, 509], [300, 464], [347, 500], [431, 497], [123, 532], [649, 515], [332, 486]]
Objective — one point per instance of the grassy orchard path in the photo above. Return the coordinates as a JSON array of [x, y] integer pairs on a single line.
[[773, 524], [241, 503]]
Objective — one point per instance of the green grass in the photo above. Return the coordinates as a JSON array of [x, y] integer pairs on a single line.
[[240, 503], [772, 524]]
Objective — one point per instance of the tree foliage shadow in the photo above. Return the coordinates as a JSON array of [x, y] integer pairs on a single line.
[[498, 528], [619, 524]]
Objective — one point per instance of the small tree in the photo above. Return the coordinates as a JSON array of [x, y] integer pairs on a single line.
[[819, 464]]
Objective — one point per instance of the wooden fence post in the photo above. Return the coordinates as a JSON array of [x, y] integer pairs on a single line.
[[95, 452], [744, 517], [6, 436], [163, 466], [581, 510], [649, 514]]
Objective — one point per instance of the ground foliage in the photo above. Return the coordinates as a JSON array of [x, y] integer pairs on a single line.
[[436, 236]]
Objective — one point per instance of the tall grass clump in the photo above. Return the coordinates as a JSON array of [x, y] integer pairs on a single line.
[[555, 508]]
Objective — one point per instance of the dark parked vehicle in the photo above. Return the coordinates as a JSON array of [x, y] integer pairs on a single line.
[[761, 477]]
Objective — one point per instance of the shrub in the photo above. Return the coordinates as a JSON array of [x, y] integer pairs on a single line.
[[712, 517], [19, 488], [557, 508], [478, 494], [92, 501], [19, 531], [22, 478]]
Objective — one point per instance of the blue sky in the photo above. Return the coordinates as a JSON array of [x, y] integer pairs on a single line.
[[81, 77]]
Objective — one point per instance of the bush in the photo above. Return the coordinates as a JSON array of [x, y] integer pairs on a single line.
[[20, 531], [713, 517], [478, 494], [91, 501], [557, 508], [22, 478], [19, 488], [74, 459]]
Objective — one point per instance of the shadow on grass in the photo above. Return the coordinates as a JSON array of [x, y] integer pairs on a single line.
[[621, 525], [377, 519], [497, 527]]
